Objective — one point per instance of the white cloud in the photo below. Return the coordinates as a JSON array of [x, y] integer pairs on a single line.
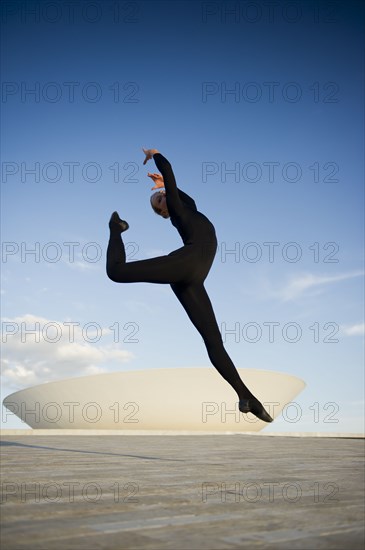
[[82, 266], [37, 350], [309, 284], [354, 330]]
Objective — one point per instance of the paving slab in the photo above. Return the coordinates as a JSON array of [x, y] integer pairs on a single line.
[[181, 492]]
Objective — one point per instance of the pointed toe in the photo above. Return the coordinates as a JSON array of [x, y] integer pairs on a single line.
[[255, 407], [115, 220]]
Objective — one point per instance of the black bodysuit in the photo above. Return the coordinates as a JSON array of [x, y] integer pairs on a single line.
[[185, 269]]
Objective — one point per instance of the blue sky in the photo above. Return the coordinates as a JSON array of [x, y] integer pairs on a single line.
[[260, 112]]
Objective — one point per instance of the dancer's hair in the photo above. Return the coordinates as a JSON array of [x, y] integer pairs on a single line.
[[156, 209]]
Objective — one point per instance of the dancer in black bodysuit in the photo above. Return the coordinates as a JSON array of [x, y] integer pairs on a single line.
[[184, 269]]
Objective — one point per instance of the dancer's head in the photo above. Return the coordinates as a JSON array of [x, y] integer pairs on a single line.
[[158, 203]]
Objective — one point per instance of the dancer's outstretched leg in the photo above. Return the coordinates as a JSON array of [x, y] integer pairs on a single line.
[[163, 269], [197, 305]]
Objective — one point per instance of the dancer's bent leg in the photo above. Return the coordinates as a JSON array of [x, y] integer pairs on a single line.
[[115, 254], [163, 269], [197, 305]]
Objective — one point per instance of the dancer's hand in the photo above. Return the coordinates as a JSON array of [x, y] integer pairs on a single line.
[[157, 179], [149, 154]]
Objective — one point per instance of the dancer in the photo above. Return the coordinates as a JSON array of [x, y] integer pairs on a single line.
[[185, 269]]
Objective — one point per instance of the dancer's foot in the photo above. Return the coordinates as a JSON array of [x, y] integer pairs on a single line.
[[115, 221], [254, 406]]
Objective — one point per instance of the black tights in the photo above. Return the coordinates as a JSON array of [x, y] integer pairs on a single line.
[[184, 270]]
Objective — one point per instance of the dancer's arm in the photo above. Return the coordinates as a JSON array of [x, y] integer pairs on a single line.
[[174, 203], [174, 195], [159, 182]]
